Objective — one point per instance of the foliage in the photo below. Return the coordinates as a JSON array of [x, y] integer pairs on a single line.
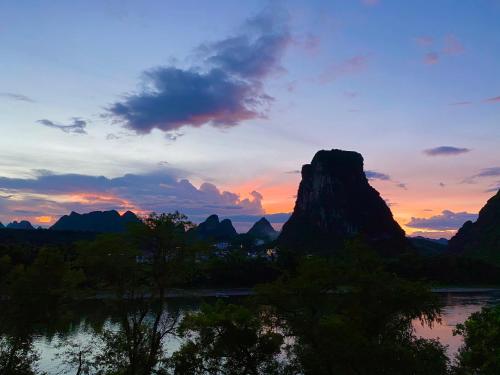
[[17, 356], [140, 288], [480, 354], [349, 316], [226, 339]]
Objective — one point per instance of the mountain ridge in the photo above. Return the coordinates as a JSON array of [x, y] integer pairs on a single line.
[[96, 221]]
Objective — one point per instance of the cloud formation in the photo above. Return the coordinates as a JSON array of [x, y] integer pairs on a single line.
[[461, 103], [372, 175], [18, 97], [77, 126], [446, 151], [452, 46], [491, 172], [49, 194], [431, 58], [447, 220], [226, 90], [495, 99]]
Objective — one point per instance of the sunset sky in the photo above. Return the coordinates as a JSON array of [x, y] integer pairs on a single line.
[[213, 106]]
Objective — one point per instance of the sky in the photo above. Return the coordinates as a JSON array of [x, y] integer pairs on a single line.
[[212, 107]]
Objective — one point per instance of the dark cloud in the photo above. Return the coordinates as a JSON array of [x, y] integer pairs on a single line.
[[295, 171], [447, 220], [372, 175], [446, 151], [494, 189], [489, 172], [77, 125], [225, 90], [162, 191], [18, 97]]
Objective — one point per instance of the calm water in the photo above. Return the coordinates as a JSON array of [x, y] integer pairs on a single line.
[[459, 304]]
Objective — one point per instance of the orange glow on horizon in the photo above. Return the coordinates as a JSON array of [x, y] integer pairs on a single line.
[[121, 205], [416, 201], [44, 219]]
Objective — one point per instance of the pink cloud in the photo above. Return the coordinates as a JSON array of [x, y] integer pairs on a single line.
[[495, 99], [431, 58], [353, 65], [452, 46]]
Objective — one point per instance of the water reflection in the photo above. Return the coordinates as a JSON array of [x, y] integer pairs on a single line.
[[458, 306], [82, 323]]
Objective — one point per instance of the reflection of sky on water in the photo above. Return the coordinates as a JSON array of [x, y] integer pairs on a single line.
[[458, 307]]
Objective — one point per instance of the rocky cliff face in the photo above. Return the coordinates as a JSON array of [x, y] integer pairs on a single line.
[[335, 203], [481, 238], [97, 221]]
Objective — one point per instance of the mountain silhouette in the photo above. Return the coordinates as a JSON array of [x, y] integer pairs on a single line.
[[429, 246], [214, 230], [263, 230], [482, 237], [23, 224], [335, 202], [97, 221], [1, 225]]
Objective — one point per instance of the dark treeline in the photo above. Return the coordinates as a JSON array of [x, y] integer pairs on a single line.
[[347, 314]]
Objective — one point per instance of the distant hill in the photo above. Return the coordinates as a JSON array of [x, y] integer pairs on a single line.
[[1, 225], [482, 238], [262, 230], [429, 246], [335, 202], [214, 230], [23, 224], [97, 221]]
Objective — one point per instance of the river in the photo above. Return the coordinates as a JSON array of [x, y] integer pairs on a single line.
[[458, 305]]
